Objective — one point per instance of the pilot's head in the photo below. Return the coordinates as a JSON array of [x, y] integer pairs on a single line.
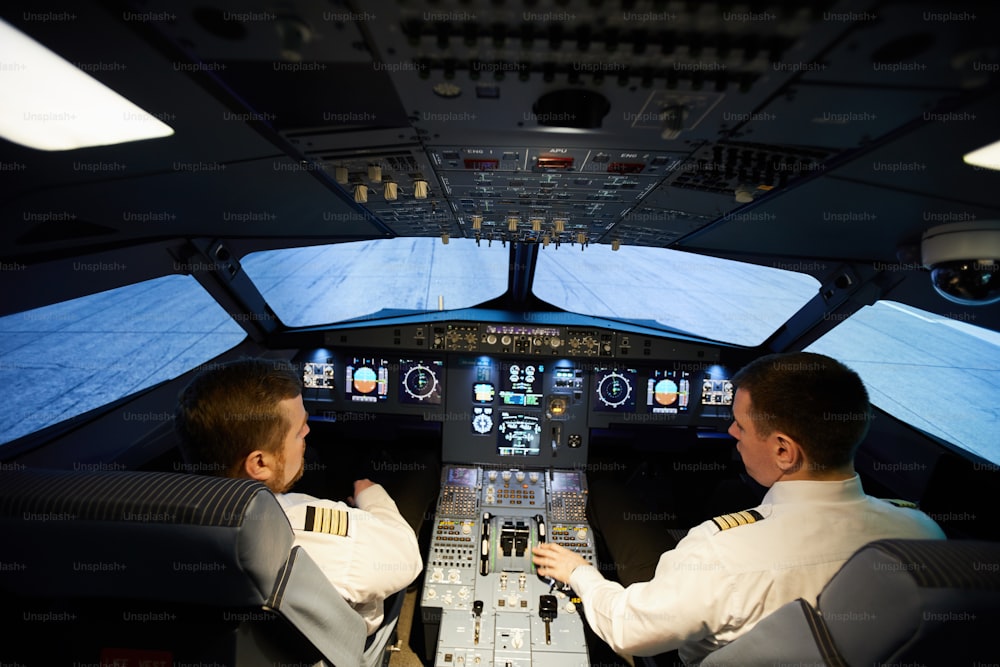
[[799, 416], [245, 418]]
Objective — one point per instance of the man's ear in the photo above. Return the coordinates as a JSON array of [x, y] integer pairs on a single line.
[[257, 465], [789, 455]]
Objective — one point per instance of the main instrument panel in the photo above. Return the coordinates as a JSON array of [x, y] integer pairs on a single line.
[[516, 393]]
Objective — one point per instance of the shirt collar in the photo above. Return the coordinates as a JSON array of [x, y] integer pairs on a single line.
[[814, 491]]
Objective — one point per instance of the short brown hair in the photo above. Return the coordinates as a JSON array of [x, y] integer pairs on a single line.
[[818, 401], [230, 410]]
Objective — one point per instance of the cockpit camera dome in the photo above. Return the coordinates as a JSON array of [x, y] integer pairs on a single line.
[[964, 260]]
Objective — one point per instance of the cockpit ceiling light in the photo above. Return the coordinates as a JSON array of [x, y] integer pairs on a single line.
[[536, 224], [374, 173], [341, 174], [616, 244], [512, 223], [49, 104], [361, 193], [477, 221], [988, 156]]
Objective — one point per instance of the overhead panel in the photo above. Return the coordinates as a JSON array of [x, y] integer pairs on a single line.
[[553, 194]]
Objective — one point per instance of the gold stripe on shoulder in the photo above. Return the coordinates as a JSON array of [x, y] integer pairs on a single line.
[[901, 503], [744, 518], [326, 520]]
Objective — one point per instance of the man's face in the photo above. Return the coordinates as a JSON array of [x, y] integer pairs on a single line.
[[755, 451], [291, 456]]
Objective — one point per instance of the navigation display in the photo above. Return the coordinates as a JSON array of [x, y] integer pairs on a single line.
[[519, 434], [668, 392], [367, 380], [421, 381], [521, 384], [616, 389]]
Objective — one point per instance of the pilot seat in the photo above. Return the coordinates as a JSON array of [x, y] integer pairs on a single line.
[[128, 568]]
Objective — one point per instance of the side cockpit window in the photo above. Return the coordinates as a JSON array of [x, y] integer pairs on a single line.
[[59, 361], [937, 373]]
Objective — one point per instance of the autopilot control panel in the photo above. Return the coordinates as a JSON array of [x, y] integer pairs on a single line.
[[483, 602]]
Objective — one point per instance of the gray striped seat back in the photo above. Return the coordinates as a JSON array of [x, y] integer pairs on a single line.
[[150, 535]]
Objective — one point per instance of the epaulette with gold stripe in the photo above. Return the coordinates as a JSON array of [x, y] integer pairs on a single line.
[[326, 520], [901, 503], [744, 518]]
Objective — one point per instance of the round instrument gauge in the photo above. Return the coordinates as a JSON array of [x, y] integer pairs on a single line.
[[420, 382], [482, 423], [614, 390]]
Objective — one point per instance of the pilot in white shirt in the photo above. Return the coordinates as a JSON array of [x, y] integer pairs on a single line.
[[368, 552], [798, 419], [730, 572], [246, 419]]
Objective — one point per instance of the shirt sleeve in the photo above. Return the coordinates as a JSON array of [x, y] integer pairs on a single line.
[[367, 552], [675, 607]]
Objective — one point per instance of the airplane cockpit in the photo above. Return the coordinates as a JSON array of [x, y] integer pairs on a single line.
[[515, 252]]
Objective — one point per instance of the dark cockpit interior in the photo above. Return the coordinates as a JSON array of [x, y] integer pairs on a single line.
[[516, 252]]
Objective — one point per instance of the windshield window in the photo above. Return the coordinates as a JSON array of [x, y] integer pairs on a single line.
[[62, 360], [936, 373], [343, 281], [714, 298]]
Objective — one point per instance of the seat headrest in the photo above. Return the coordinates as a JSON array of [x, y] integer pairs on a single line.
[[908, 596], [150, 535]]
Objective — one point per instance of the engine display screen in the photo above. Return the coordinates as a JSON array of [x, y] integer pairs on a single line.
[[519, 434], [521, 384], [668, 392], [367, 380]]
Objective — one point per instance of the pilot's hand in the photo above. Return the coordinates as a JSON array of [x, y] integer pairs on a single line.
[[556, 562], [359, 486]]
